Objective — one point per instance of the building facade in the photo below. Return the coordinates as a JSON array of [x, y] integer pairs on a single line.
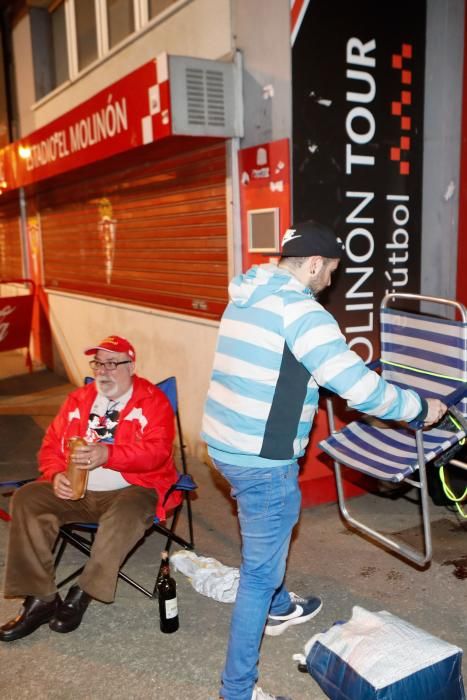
[[147, 155], [141, 238]]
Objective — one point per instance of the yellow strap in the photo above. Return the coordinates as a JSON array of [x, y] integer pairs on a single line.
[[451, 495], [458, 426], [422, 371], [432, 374]]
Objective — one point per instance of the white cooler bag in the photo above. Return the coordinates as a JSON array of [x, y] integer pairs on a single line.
[[377, 656]]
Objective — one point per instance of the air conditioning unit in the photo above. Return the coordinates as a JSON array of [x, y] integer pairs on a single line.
[[205, 96]]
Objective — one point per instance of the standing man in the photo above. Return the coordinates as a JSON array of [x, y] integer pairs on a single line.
[[129, 426], [277, 345]]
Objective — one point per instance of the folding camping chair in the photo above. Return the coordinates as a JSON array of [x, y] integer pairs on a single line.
[[427, 354], [81, 535]]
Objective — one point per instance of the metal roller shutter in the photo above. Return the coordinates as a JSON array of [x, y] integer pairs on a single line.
[[11, 261], [154, 233]]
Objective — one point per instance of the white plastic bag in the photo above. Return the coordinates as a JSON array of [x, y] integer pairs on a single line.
[[207, 576]]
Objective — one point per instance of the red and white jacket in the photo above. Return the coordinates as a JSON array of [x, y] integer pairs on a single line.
[[143, 446]]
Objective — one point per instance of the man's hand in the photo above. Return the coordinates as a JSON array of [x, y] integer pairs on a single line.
[[88, 457], [91, 456], [61, 486], [436, 410]]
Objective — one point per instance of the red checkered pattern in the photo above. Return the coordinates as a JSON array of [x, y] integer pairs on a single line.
[[401, 63], [157, 123]]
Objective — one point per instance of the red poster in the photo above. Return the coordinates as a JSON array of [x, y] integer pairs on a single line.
[[15, 321]]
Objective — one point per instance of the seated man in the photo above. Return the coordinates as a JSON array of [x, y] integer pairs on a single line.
[[129, 425]]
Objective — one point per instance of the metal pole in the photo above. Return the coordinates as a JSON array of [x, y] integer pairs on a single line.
[[23, 222]]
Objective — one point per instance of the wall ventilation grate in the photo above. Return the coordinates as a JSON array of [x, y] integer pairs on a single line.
[[205, 93]]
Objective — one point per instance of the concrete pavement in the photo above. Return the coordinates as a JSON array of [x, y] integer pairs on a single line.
[[119, 652]]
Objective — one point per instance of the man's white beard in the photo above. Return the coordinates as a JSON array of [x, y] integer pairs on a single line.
[[108, 390]]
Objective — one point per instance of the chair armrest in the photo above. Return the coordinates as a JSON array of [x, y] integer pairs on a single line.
[[16, 484], [184, 482], [456, 396], [451, 400], [374, 365]]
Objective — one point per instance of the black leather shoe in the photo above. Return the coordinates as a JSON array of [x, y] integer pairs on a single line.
[[70, 613], [34, 613]]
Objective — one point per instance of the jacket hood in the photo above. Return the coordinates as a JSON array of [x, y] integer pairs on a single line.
[[259, 282]]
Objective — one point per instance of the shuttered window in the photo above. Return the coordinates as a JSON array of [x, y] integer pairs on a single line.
[[11, 265], [153, 234]]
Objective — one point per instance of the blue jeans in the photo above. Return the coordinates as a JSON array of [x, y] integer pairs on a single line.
[[268, 502]]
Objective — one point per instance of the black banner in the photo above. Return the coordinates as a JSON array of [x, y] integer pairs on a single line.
[[358, 90]]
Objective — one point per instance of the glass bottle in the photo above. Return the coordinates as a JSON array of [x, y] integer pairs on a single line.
[[78, 477], [167, 594], [160, 575]]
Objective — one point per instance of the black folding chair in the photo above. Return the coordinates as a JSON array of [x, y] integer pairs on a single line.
[[81, 535]]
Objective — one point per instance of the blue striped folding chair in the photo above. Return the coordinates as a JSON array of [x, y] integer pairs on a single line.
[[421, 352], [80, 535]]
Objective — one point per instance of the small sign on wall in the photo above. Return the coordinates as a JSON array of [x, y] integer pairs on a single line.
[[263, 230], [264, 172]]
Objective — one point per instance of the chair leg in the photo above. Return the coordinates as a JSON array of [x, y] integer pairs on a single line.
[[190, 520], [70, 577], [403, 550], [406, 551], [173, 525], [172, 537], [82, 544], [169, 531], [135, 584], [61, 549], [424, 499], [64, 538], [185, 471]]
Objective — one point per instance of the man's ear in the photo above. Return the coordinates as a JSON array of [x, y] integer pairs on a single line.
[[132, 369], [316, 263]]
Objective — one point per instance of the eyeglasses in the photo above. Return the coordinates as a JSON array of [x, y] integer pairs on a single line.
[[110, 365]]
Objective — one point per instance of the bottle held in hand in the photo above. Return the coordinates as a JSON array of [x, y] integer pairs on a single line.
[[167, 594], [78, 477]]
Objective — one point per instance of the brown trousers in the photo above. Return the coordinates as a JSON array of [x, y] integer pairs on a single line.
[[123, 516]]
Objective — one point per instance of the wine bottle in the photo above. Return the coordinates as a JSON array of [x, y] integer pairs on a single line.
[[160, 574], [167, 594]]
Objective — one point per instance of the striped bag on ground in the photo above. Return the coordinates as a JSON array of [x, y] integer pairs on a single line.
[[378, 656]]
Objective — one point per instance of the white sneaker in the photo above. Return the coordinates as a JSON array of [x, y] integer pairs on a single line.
[[260, 694], [300, 610]]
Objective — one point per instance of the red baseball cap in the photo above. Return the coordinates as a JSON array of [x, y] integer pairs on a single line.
[[113, 343]]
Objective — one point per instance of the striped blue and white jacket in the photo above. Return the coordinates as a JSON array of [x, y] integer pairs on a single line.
[[276, 346]]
